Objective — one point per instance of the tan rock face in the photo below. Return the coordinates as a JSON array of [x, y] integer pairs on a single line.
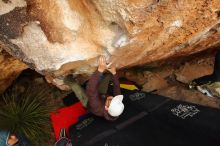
[[195, 69], [10, 69], [183, 70], [193, 96], [58, 37]]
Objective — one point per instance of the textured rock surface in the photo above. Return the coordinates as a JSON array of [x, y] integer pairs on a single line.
[[58, 37], [10, 68], [193, 96], [182, 70], [195, 69]]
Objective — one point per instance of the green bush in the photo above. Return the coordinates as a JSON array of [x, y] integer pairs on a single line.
[[27, 113]]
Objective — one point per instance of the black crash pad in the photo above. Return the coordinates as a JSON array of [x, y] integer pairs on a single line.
[[151, 120]]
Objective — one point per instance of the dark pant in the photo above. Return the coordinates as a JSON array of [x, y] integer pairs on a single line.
[[80, 91]]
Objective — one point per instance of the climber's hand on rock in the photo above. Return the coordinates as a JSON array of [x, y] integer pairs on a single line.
[[111, 67], [102, 64]]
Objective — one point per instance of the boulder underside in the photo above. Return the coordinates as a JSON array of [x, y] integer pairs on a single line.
[[61, 37]]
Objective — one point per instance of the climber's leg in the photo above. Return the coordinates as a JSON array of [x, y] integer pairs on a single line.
[[77, 89]]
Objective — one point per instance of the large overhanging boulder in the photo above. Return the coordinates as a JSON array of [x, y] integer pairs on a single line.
[[59, 37]]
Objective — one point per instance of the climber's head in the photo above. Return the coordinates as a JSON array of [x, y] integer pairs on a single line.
[[114, 105]]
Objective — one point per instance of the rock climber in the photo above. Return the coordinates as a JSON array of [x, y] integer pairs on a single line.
[[96, 98]]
